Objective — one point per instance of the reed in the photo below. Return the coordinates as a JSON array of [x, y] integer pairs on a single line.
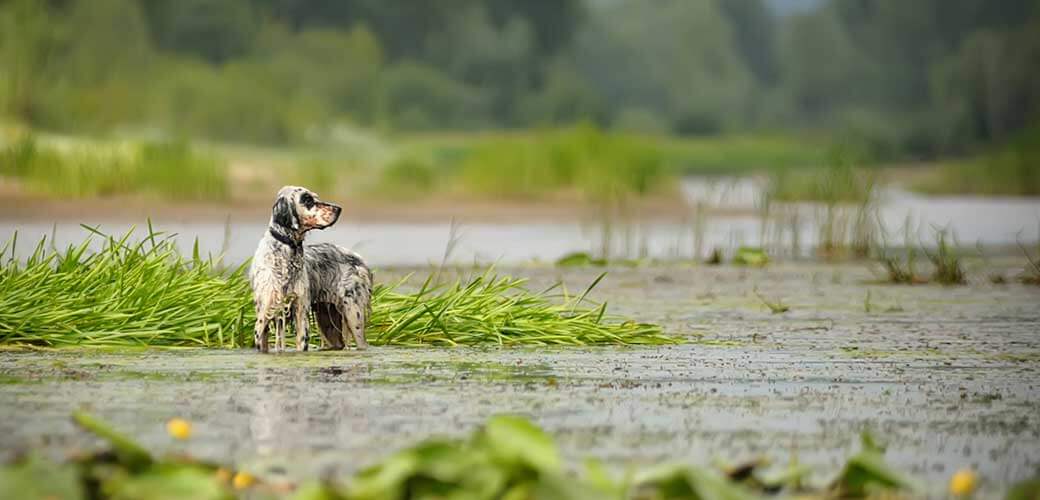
[[144, 293]]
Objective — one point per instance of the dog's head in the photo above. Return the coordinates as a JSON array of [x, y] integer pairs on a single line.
[[298, 210]]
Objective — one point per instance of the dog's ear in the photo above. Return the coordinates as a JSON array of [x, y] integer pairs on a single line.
[[283, 214]]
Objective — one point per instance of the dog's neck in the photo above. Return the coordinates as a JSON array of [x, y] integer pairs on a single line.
[[286, 237]]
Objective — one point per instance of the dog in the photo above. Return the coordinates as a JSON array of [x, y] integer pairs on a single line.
[[278, 274], [340, 293]]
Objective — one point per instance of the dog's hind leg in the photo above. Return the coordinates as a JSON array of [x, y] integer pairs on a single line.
[[260, 333], [330, 323], [355, 321]]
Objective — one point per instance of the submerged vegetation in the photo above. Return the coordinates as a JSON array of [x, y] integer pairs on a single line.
[[145, 293], [508, 457]]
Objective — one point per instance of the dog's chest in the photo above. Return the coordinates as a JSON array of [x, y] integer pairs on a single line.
[[281, 271]]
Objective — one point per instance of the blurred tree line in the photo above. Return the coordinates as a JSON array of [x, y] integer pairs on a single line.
[[913, 78]]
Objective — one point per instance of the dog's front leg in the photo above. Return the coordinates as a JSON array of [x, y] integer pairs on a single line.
[[260, 333], [301, 322], [279, 336]]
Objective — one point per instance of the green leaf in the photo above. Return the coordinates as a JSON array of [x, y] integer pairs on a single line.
[[130, 454], [1025, 490], [39, 479], [867, 472], [317, 491], [675, 481], [517, 441], [172, 483]]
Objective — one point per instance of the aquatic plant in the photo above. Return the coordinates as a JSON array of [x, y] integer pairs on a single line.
[[948, 269], [491, 309], [124, 293], [507, 457], [1031, 274], [901, 271], [775, 306], [145, 293]]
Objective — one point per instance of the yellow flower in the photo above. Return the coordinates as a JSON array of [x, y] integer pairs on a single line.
[[963, 483], [243, 480], [179, 428], [223, 475]]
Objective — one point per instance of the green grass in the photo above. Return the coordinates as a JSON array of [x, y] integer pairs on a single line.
[[165, 170], [124, 294], [581, 161], [740, 154], [490, 309], [948, 267], [947, 264], [144, 293], [587, 163], [1010, 170]]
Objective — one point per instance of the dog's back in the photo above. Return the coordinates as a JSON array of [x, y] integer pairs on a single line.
[[340, 293]]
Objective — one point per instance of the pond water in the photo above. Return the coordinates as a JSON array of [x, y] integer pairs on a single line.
[[948, 377], [989, 221]]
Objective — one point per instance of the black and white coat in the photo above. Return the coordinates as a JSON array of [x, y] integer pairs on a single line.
[[278, 276]]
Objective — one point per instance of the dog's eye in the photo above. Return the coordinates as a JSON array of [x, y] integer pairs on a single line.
[[307, 200]]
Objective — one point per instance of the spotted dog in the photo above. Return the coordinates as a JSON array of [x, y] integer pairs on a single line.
[[278, 275], [340, 293]]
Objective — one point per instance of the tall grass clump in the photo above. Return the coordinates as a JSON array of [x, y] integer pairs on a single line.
[[492, 309], [948, 269], [125, 293], [408, 177], [847, 202], [582, 160], [1031, 274], [166, 170], [144, 293]]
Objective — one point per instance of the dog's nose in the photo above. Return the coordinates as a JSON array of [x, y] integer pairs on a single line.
[[337, 209]]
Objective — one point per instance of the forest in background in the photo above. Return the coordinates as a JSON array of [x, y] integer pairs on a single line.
[[904, 80]]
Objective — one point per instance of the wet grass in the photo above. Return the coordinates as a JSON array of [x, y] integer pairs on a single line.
[[948, 267], [145, 293], [163, 170], [124, 294], [490, 309], [1031, 274], [946, 262]]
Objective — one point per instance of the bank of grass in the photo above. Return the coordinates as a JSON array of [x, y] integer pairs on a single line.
[[144, 293], [1010, 170], [582, 162], [164, 170]]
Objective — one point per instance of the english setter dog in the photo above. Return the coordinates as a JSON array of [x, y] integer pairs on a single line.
[[290, 279]]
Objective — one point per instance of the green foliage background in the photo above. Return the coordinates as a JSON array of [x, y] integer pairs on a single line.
[[902, 79]]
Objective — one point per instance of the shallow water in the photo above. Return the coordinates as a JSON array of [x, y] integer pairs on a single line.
[[986, 221], [948, 376]]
